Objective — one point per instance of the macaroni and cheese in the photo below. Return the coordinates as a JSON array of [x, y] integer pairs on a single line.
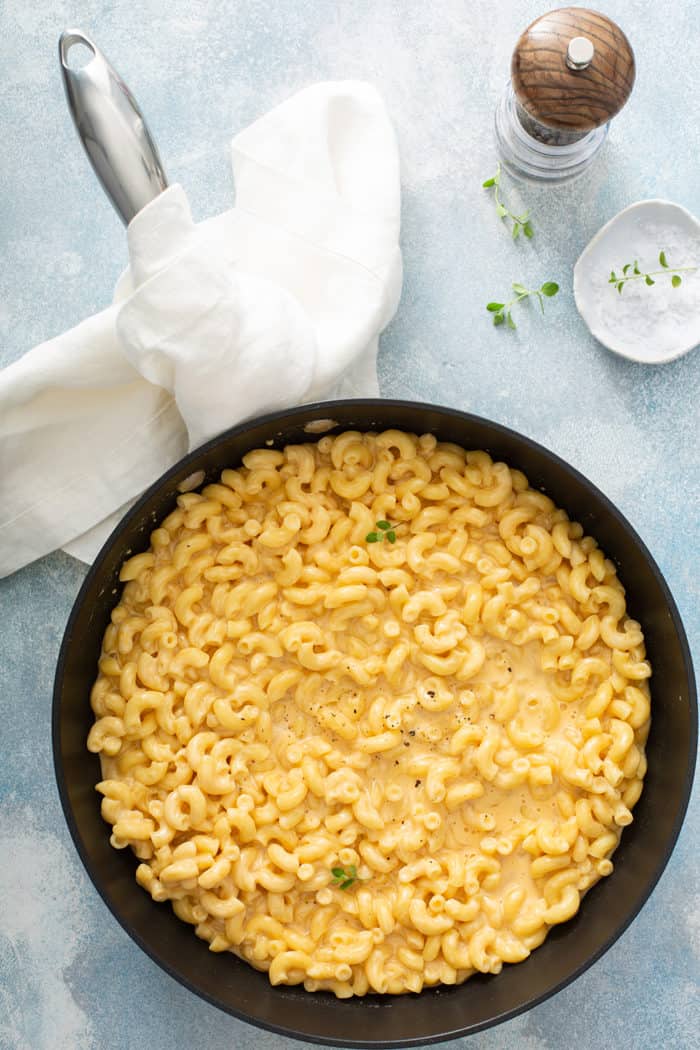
[[371, 713]]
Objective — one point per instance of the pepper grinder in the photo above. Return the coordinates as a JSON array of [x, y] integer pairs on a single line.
[[572, 71]]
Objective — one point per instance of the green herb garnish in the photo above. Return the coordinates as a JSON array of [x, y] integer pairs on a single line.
[[344, 877], [386, 532], [520, 222], [502, 311], [631, 272]]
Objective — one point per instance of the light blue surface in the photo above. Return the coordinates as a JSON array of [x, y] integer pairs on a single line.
[[70, 978]]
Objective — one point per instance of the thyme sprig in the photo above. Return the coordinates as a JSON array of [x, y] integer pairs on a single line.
[[386, 531], [520, 222], [502, 311], [631, 272], [344, 877]]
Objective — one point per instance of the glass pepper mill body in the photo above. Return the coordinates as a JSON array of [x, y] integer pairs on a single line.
[[572, 71]]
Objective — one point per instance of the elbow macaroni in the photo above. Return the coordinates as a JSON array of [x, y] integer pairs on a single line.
[[459, 717]]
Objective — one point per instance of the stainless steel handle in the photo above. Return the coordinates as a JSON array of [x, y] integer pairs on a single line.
[[112, 129]]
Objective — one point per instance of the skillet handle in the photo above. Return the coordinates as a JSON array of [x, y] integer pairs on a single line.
[[112, 129]]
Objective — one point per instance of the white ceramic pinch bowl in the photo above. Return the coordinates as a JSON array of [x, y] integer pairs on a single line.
[[646, 323]]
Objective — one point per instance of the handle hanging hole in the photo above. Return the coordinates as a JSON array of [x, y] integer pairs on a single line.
[[76, 51], [78, 56]]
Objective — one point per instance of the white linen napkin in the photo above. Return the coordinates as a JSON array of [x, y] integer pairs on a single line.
[[276, 302]]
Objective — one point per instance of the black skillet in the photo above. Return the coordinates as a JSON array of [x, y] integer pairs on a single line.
[[410, 1020]]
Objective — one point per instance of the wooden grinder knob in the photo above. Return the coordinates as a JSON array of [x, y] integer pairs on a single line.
[[572, 71]]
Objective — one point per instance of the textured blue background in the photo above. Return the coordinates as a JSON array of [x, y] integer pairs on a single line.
[[70, 978]]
